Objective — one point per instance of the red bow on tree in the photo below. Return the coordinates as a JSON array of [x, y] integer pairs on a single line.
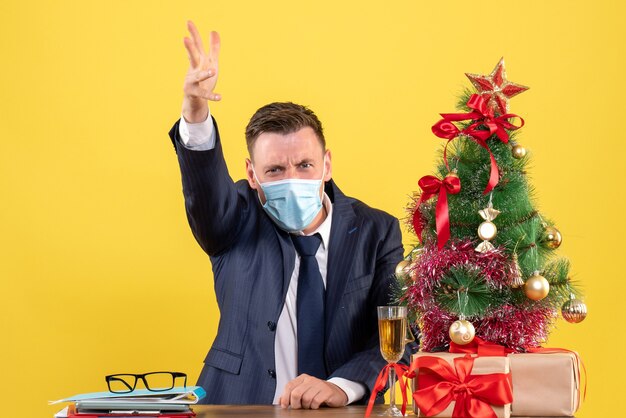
[[484, 126], [432, 186], [441, 384]]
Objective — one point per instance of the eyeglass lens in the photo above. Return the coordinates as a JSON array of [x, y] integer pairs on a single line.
[[155, 381]]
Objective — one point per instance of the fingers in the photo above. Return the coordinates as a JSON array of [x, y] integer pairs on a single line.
[[215, 46], [196, 91], [192, 52], [194, 86], [302, 397], [285, 398], [308, 392], [195, 36], [301, 385], [199, 76], [316, 396]]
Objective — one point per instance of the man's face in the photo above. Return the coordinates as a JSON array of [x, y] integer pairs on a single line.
[[298, 155]]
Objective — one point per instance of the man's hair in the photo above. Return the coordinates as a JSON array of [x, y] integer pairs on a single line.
[[282, 118]]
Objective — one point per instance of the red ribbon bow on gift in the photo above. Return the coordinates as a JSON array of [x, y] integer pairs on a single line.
[[441, 384], [485, 349], [484, 117], [432, 186], [381, 382]]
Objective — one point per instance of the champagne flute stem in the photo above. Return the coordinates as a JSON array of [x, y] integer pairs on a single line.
[[392, 388]]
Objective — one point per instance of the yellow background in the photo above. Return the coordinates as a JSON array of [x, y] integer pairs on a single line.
[[99, 271]]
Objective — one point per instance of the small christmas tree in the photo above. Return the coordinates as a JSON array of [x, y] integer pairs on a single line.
[[485, 264]]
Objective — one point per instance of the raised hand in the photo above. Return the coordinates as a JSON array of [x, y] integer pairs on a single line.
[[201, 77]]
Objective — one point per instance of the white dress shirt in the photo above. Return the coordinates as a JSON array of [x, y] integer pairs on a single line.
[[201, 137]]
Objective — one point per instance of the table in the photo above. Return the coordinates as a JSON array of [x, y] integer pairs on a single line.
[[267, 411]]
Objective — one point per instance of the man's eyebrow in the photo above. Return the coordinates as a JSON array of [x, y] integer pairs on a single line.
[[273, 167], [306, 161]]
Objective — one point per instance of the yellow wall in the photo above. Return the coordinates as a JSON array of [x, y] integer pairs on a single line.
[[99, 272]]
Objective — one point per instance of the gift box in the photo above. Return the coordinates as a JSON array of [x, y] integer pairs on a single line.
[[450, 384], [545, 384]]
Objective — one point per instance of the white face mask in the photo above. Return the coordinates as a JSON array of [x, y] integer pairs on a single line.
[[292, 203]]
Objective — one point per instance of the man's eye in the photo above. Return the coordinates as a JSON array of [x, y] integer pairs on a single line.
[[306, 165], [273, 171]]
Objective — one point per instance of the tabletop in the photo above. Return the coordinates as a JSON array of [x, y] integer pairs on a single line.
[[263, 411]]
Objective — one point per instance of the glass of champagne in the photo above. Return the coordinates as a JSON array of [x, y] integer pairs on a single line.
[[392, 331]]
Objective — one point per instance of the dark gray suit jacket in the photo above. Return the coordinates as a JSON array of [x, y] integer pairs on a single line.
[[252, 263]]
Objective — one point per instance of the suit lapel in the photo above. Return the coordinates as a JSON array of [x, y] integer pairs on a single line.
[[344, 235], [288, 256]]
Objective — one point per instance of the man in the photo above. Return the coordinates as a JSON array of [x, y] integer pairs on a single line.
[[299, 267]]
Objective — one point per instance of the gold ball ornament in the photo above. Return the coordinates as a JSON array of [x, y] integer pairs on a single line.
[[574, 311], [518, 151], [536, 287], [552, 237], [462, 332], [487, 231], [403, 268]]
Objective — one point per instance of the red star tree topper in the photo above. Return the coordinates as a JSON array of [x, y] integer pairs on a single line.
[[496, 89]]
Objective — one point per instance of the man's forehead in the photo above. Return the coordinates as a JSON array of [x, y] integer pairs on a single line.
[[292, 148], [282, 159]]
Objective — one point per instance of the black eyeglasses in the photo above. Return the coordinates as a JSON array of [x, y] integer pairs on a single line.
[[154, 381]]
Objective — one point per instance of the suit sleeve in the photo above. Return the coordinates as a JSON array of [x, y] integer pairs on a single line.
[[365, 365], [212, 202]]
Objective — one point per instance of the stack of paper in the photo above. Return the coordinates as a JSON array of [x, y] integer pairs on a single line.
[[173, 403]]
